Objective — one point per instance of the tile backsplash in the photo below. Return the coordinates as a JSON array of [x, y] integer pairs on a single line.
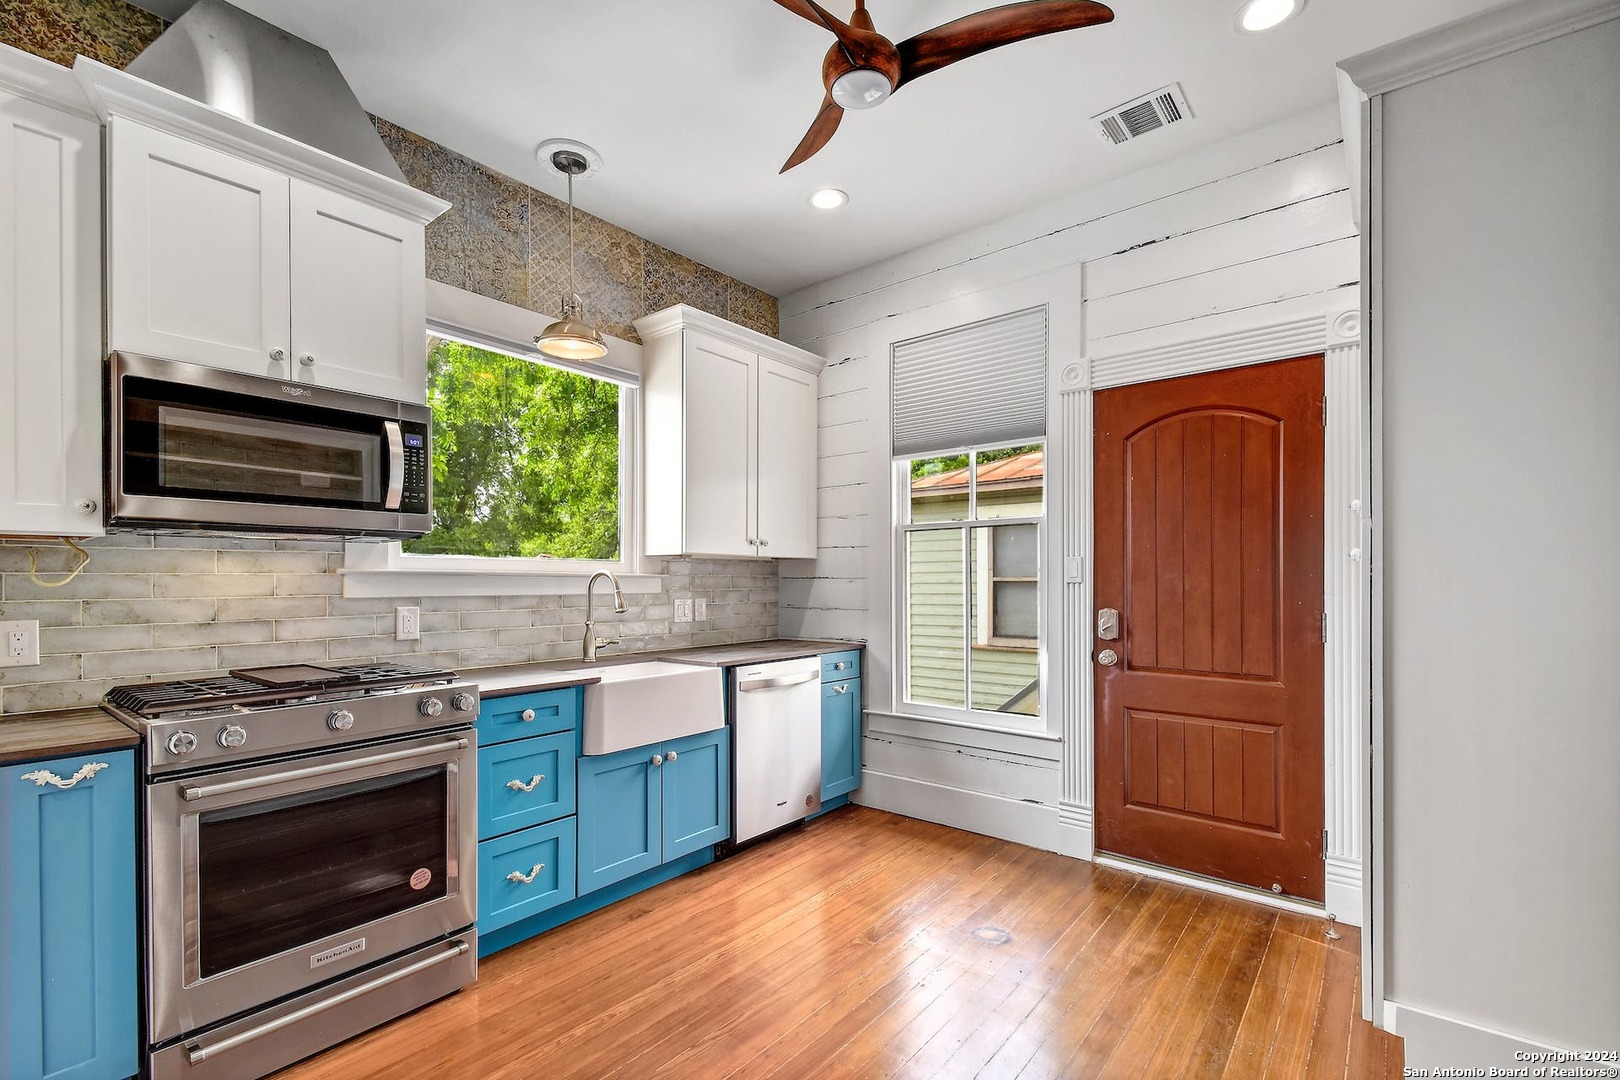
[[162, 607]]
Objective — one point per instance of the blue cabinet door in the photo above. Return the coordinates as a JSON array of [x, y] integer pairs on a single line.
[[697, 792], [619, 817], [525, 783], [840, 738], [525, 873], [67, 919]]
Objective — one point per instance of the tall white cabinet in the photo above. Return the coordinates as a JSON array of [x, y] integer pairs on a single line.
[[50, 302], [730, 439], [232, 246]]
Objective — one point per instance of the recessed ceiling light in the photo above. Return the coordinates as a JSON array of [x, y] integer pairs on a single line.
[[1258, 16], [829, 198]]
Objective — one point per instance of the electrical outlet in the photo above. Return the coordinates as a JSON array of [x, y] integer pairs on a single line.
[[21, 643], [683, 609], [700, 609], [407, 624]]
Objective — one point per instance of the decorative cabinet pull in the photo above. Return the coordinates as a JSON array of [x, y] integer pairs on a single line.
[[764, 543], [517, 877], [41, 777], [840, 665], [85, 506], [658, 759], [308, 359], [518, 785], [670, 756], [278, 355], [844, 689], [526, 715]]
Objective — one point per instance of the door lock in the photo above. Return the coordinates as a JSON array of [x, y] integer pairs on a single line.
[[1108, 658], [1108, 624]]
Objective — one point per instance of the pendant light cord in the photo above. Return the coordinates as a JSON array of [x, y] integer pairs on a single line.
[[573, 292]]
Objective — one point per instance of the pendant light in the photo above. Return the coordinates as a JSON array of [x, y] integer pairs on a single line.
[[571, 337]]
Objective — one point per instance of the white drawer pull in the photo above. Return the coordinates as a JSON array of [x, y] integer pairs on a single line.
[[527, 714], [517, 878], [518, 785], [41, 777]]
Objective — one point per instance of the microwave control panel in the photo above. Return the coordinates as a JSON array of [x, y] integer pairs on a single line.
[[414, 499]]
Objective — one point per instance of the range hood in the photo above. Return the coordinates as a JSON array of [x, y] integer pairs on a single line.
[[239, 64]]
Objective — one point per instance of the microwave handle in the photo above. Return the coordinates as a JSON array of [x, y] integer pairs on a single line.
[[396, 465]]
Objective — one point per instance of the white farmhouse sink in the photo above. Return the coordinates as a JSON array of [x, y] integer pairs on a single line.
[[648, 702]]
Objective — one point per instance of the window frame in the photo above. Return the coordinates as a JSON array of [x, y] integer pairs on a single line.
[[381, 569], [966, 715], [992, 579]]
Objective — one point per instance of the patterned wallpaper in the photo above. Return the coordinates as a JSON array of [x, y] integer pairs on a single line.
[[502, 239]]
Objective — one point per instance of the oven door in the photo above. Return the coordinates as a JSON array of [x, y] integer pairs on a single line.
[[192, 445], [267, 880]]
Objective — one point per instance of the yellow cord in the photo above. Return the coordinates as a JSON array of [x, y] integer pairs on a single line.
[[33, 566]]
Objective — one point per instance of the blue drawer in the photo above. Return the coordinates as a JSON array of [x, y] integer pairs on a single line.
[[525, 783], [503, 719], [840, 665], [525, 873]]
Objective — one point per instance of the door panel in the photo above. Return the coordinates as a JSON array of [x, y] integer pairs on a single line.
[[619, 817], [720, 411], [696, 777], [1209, 541], [785, 480]]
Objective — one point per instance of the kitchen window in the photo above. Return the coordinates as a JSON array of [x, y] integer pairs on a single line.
[[534, 465], [970, 579]]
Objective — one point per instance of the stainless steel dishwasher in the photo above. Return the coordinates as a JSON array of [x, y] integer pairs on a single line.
[[775, 744]]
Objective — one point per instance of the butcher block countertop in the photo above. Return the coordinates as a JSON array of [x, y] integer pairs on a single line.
[[35, 736], [556, 674]]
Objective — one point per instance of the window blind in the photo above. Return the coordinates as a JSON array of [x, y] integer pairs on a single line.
[[974, 385]]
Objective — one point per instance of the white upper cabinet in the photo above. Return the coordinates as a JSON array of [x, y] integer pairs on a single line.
[[730, 439], [359, 304], [234, 246], [50, 310], [197, 253]]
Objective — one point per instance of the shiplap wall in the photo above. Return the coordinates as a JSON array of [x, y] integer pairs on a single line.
[[1250, 232]]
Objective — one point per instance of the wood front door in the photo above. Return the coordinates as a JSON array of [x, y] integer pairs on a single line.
[[1209, 545]]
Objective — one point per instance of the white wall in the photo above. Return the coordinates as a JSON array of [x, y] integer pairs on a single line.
[[1499, 228], [1250, 233]]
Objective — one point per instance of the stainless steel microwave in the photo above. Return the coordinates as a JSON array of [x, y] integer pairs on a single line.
[[197, 448]]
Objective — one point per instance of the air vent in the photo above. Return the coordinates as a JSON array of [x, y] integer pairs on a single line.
[[1150, 112]]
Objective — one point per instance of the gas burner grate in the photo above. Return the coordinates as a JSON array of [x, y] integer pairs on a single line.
[[190, 695]]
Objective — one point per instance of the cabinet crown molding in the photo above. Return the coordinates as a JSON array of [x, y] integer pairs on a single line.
[[1472, 40], [113, 93], [682, 317], [38, 79]]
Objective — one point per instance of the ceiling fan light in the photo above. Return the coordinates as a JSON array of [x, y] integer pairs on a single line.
[[1258, 16], [862, 88]]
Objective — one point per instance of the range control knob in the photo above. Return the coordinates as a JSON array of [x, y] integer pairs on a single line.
[[232, 735], [181, 743], [340, 720], [430, 706], [463, 702]]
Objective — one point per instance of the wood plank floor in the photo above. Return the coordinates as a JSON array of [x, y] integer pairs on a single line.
[[848, 949]]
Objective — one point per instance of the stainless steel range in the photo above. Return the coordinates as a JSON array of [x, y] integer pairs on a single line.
[[310, 857]]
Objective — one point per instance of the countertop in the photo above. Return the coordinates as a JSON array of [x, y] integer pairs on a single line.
[[555, 674], [34, 736]]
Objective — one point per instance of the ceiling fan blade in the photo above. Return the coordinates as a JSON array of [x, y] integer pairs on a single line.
[[985, 30], [863, 48], [821, 131]]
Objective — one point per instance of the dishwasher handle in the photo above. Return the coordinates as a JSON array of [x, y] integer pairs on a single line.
[[747, 685]]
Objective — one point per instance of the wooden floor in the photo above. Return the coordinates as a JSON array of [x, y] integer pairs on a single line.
[[865, 945]]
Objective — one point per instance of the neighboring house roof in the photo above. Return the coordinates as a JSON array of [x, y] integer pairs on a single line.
[[1023, 471]]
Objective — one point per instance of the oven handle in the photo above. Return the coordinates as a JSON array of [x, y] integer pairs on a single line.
[[196, 1055], [396, 465], [192, 793]]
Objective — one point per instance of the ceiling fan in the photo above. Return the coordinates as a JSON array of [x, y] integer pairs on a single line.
[[863, 67]]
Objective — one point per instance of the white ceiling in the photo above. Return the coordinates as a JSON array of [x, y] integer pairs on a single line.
[[695, 106]]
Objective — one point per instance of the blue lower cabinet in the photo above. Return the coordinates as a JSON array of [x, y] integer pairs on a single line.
[[521, 716], [68, 989], [840, 738], [525, 783], [620, 815], [525, 873], [696, 777]]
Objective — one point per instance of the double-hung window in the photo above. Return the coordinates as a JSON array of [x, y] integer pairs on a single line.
[[969, 422]]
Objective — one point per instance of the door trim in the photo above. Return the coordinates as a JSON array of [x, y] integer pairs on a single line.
[[1337, 335]]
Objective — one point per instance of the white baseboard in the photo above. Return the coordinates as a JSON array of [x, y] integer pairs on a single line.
[[1029, 823], [1343, 894], [1434, 1041]]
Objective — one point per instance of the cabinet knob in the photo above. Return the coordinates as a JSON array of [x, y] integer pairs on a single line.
[[308, 359], [278, 355], [658, 759], [764, 543], [527, 715], [85, 506], [670, 756], [840, 665]]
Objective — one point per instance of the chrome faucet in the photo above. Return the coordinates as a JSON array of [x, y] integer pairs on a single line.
[[592, 642]]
